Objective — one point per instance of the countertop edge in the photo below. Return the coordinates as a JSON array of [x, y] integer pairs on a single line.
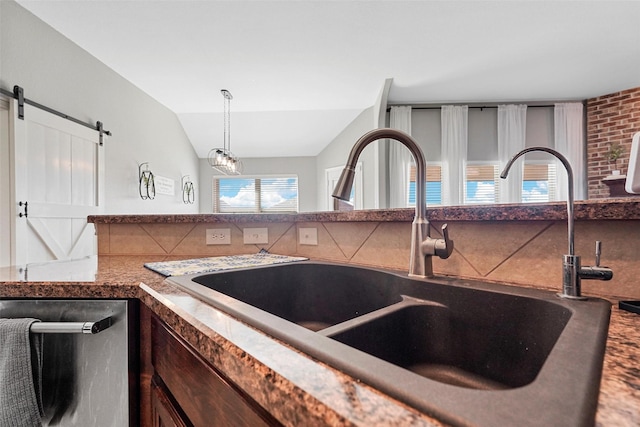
[[606, 209]]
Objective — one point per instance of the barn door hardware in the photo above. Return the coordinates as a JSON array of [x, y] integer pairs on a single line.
[[25, 214], [103, 133], [18, 94]]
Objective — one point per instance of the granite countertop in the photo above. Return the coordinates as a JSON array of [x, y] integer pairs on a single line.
[[272, 372], [601, 209]]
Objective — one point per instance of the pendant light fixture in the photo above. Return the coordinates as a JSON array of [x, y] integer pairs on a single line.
[[222, 159]]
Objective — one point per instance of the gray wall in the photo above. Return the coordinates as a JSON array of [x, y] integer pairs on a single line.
[[59, 74], [337, 153]]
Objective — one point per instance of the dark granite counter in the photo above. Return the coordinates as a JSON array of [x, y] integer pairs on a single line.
[[610, 209], [272, 372]]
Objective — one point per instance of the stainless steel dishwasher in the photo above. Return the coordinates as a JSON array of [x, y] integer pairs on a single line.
[[87, 355]]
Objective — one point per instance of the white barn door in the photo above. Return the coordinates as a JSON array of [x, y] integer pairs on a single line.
[[5, 185], [57, 170]]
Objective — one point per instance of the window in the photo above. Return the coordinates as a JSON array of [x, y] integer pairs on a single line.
[[255, 194], [538, 182], [482, 181], [434, 185], [481, 184]]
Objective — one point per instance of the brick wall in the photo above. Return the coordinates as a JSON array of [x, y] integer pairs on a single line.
[[611, 119]]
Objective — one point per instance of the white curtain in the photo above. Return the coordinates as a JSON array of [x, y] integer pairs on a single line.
[[570, 142], [512, 126], [454, 120], [399, 159]]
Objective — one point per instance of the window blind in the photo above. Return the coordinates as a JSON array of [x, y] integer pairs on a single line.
[[255, 194], [434, 173], [481, 184], [433, 185], [538, 182]]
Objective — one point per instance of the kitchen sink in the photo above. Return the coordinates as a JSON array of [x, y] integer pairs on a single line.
[[455, 348], [314, 301], [466, 352]]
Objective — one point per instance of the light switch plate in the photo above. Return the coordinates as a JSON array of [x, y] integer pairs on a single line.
[[308, 236], [218, 236], [254, 236]]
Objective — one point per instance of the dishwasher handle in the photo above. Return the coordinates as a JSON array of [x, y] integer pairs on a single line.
[[71, 327]]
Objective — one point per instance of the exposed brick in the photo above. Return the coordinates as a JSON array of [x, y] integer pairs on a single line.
[[611, 119]]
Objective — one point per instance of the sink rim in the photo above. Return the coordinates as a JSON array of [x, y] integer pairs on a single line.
[[456, 405]]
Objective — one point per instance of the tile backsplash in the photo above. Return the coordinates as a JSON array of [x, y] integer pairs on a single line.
[[518, 252]]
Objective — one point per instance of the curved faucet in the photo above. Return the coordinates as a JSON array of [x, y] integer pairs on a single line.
[[570, 201], [423, 247], [572, 272]]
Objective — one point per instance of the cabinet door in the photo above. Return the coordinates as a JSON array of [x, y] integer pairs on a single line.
[[205, 396], [163, 411]]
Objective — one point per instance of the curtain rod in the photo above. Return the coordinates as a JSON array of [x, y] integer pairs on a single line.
[[18, 93], [481, 107]]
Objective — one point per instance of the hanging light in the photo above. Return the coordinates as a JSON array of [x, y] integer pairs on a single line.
[[222, 159]]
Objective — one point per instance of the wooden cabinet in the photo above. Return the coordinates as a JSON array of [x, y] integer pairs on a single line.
[[188, 391], [164, 412]]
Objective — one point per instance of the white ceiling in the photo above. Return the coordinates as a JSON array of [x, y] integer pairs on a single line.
[[300, 71]]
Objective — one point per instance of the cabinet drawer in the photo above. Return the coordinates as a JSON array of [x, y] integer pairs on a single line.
[[203, 394]]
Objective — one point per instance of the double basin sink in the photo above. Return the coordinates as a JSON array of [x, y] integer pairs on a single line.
[[466, 352]]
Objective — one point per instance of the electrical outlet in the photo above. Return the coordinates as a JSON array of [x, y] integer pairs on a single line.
[[253, 236], [218, 236], [308, 236]]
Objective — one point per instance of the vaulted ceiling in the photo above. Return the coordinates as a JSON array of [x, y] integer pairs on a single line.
[[300, 71]]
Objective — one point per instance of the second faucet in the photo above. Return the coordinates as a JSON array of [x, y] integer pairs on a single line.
[[572, 271]]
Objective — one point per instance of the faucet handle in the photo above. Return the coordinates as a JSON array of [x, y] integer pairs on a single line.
[[444, 247], [596, 272]]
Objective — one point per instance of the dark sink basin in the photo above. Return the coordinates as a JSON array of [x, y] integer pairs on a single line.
[[314, 301], [485, 351], [469, 353]]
